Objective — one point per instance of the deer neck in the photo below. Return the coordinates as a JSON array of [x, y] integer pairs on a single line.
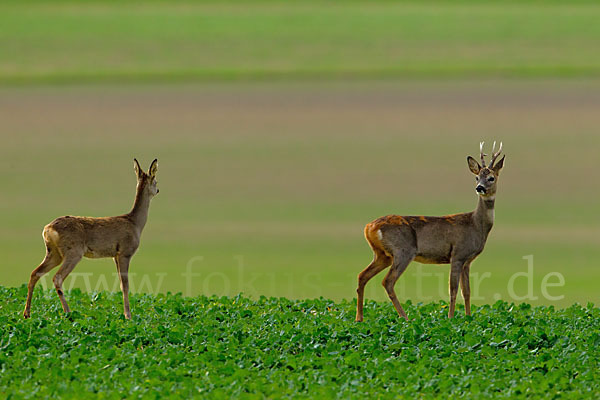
[[139, 212], [484, 213]]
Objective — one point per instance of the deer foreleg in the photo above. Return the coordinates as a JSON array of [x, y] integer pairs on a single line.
[[466, 287], [455, 272], [123, 269]]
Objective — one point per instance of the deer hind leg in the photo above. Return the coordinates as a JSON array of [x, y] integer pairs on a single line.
[[401, 261], [380, 262], [71, 260], [466, 287], [455, 273], [123, 270], [52, 259]]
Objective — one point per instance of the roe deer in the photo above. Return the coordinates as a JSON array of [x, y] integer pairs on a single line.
[[453, 239], [68, 239]]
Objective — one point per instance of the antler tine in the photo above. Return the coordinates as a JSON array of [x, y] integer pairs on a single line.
[[496, 154], [482, 154]]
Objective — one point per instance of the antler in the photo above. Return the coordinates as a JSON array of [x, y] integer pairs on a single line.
[[496, 154], [482, 154]]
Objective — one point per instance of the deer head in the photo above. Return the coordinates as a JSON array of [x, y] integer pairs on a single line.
[[486, 177], [147, 181]]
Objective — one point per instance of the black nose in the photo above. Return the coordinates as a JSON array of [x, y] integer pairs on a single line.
[[480, 189]]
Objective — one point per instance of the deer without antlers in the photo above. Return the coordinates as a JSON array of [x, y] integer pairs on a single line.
[[68, 239], [453, 239]]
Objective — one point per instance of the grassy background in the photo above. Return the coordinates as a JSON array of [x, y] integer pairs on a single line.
[[104, 40], [268, 176]]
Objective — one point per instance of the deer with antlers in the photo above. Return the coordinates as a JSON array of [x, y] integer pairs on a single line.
[[69, 239], [452, 239]]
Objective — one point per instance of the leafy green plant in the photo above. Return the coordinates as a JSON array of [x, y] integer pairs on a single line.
[[222, 347]]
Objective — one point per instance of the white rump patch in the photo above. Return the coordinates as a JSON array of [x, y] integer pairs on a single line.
[[379, 234], [51, 234]]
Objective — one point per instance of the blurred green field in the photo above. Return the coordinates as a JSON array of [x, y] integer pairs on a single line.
[[74, 41], [265, 188], [282, 128]]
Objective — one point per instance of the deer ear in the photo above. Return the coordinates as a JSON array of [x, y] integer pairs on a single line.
[[473, 165], [153, 168], [137, 168], [498, 166]]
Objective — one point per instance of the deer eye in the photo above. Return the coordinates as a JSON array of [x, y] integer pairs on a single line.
[[491, 179]]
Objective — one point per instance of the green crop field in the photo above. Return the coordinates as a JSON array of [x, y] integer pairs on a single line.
[[226, 347]]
